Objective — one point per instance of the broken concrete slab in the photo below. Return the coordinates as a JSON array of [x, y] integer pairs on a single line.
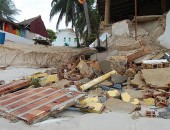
[[85, 70], [121, 28], [106, 83], [126, 97], [118, 105], [138, 82], [135, 93], [36, 104], [157, 78], [117, 78], [114, 62], [96, 92]]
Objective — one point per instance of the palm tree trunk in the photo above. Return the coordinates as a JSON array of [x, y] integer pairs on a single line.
[[107, 12], [77, 36], [74, 24], [87, 18]]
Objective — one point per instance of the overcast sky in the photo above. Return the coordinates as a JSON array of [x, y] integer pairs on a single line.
[[33, 8]]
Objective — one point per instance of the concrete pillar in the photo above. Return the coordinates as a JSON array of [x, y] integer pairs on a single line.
[[107, 12]]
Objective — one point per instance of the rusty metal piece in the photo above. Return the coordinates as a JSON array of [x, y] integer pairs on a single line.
[[14, 86], [36, 104]]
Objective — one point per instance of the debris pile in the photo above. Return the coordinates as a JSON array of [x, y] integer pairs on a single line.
[[133, 78]]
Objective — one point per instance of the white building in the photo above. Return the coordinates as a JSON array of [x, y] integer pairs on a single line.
[[65, 36]]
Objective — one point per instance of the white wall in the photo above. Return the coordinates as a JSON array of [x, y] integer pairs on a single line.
[[30, 35], [165, 38], [65, 34], [17, 39]]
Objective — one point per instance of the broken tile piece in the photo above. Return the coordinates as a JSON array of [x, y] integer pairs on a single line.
[[127, 98], [113, 93]]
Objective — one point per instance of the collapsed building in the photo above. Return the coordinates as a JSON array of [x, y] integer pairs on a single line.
[[113, 10]]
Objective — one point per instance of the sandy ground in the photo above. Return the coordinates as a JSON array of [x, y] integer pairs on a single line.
[[107, 121], [14, 73]]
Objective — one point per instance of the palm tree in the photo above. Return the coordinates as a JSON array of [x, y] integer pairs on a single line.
[[107, 12], [68, 9], [94, 19], [8, 9], [86, 11], [81, 17]]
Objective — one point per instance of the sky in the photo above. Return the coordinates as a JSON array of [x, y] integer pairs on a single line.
[[33, 8]]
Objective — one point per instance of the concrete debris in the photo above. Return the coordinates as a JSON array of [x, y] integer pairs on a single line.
[[113, 93], [117, 63], [164, 115], [96, 92], [126, 97], [116, 78], [130, 72], [135, 93], [157, 78], [85, 70], [138, 82], [149, 101], [129, 75], [92, 105], [120, 28], [2, 82], [64, 83], [117, 105], [106, 83]]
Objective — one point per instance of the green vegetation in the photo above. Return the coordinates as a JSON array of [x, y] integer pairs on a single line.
[[52, 35], [8, 9], [76, 14]]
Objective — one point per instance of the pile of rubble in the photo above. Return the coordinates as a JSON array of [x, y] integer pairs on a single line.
[[127, 78]]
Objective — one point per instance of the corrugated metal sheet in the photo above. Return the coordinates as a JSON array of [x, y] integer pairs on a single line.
[[36, 104], [13, 86]]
